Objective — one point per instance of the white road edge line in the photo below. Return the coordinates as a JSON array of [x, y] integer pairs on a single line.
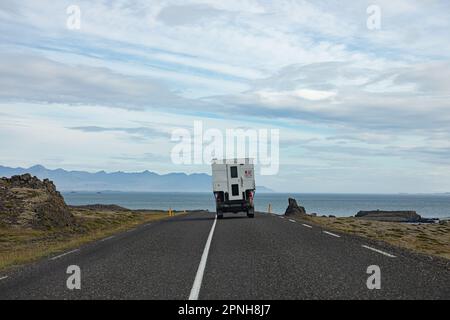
[[291, 220], [109, 238], [64, 254], [306, 225], [379, 251], [331, 234], [195, 291], [3, 278]]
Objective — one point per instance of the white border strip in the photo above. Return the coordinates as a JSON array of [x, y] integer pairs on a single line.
[[64, 254], [291, 220], [3, 278], [195, 291], [379, 251], [306, 225], [331, 234]]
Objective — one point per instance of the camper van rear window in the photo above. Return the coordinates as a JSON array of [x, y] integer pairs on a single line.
[[233, 172], [235, 190]]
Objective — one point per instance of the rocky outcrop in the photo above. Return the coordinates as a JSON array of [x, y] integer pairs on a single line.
[[26, 201], [390, 216], [294, 208]]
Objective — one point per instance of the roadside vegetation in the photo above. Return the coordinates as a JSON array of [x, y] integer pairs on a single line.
[[19, 245]]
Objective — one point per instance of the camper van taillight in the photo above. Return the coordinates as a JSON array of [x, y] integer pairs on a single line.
[[218, 196]]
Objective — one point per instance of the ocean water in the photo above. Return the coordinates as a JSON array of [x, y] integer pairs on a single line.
[[341, 205]]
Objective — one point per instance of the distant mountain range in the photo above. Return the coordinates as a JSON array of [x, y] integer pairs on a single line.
[[119, 181]]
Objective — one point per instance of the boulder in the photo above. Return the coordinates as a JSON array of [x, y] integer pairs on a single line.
[[294, 209], [26, 201], [390, 216]]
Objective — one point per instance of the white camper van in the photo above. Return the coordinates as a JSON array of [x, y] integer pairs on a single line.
[[234, 186]]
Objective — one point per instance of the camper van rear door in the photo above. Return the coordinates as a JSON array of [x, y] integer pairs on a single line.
[[233, 183]]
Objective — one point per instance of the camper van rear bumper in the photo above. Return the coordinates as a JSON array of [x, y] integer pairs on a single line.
[[234, 206]]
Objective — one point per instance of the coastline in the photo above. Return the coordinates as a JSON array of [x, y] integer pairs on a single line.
[[340, 205]]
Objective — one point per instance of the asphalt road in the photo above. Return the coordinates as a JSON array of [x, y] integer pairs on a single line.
[[196, 256]]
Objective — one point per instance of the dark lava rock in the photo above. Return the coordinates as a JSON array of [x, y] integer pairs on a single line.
[[390, 216], [26, 201], [294, 208]]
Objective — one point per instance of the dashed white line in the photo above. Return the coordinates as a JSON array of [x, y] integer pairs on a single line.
[[379, 251], [332, 234], [109, 238], [306, 225], [3, 278], [195, 291], [64, 254], [291, 220]]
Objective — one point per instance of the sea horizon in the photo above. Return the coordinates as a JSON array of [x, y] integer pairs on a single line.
[[337, 204]]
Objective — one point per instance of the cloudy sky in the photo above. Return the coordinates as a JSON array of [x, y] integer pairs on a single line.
[[358, 109]]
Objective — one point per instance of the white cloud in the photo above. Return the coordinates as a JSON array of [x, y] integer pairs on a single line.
[[310, 67]]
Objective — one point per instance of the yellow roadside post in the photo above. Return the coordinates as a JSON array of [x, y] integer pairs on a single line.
[[170, 212]]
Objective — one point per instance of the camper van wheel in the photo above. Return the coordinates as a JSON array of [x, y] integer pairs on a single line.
[[251, 213]]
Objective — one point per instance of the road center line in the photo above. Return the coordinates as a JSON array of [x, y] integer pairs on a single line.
[[379, 251], [331, 234], [64, 254], [195, 291], [3, 278], [292, 220], [306, 225]]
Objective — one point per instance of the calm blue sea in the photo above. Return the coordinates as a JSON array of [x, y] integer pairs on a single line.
[[430, 206]]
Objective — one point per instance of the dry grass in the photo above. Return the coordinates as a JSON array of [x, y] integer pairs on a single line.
[[430, 239], [20, 245]]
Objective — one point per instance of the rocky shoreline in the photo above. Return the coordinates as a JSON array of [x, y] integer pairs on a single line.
[[404, 229], [400, 216]]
